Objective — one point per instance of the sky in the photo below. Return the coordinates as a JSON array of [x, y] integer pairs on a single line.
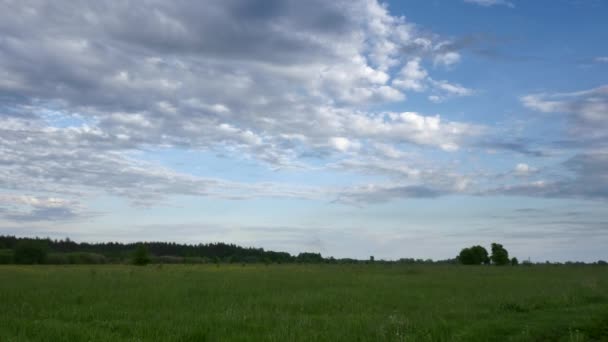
[[350, 128]]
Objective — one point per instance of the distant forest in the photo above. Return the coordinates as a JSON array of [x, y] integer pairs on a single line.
[[21, 250], [67, 251]]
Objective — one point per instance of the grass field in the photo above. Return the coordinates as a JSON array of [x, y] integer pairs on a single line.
[[303, 303]]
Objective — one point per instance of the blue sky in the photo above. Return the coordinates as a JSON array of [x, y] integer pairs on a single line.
[[351, 128]]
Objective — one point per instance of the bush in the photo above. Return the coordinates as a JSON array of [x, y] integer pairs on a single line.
[[167, 259], [141, 257], [86, 258], [57, 259], [76, 258], [309, 258], [194, 260], [500, 256], [30, 252], [6, 256], [475, 255]]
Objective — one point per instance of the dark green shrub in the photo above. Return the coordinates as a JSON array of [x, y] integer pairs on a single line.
[[141, 257], [30, 252], [309, 258], [76, 258], [475, 255], [500, 256], [167, 259], [193, 260], [57, 259], [6, 256], [86, 258]]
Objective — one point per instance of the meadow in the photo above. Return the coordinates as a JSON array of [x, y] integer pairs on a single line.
[[303, 303]]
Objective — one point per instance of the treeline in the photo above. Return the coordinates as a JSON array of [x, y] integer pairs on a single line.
[[50, 251], [17, 250], [478, 255], [45, 250]]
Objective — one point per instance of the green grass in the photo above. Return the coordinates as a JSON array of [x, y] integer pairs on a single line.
[[303, 303]]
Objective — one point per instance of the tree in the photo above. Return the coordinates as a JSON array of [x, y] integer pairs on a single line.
[[499, 256], [141, 257], [475, 255], [309, 258], [514, 261], [30, 252]]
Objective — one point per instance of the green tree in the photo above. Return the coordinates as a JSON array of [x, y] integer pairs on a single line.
[[475, 255], [141, 256], [309, 258], [30, 252], [514, 261], [499, 256]]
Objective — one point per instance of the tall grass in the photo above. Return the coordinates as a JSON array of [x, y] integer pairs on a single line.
[[303, 303]]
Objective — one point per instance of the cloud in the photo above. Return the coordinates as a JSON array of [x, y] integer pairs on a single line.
[[523, 170], [602, 59], [447, 59], [521, 146], [84, 162], [382, 193], [444, 90], [343, 144], [39, 208], [489, 3], [587, 178], [411, 76], [289, 69], [586, 110], [86, 94], [415, 78]]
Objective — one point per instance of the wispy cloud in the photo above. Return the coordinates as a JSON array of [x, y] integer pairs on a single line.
[[489, 3], [586, 109], [602, 59]]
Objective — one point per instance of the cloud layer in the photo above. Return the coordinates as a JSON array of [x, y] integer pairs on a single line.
[[88, 90]]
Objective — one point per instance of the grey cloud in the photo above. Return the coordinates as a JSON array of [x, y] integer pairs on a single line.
[[76, 162], [524, 147], [587, 178], [489, 46], [602, 59], [26, 208], [268, 80], [553, 230], [580, 142], [586, 110], [43, 214], [81, 162], [490, 3], [171, 70], [378, 193]]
